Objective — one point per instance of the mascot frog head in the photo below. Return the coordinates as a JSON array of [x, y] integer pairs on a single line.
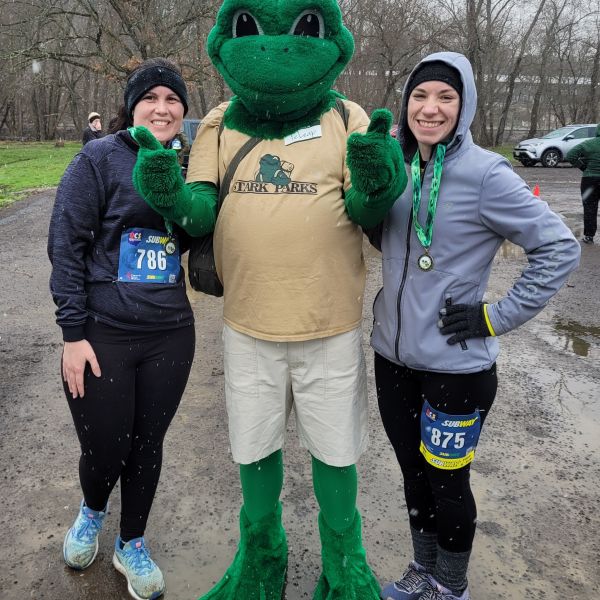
[[280, 58]]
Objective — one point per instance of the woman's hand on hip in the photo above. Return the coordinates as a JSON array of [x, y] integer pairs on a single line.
[[75, 357]]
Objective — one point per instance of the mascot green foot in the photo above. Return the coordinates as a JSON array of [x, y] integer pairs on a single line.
[[259, 568], [346, 574]]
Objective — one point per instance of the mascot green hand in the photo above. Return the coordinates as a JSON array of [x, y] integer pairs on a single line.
[[157, 176], [375, 159]]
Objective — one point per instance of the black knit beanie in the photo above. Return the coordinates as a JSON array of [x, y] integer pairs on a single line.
[[145, 78], [436, 70]]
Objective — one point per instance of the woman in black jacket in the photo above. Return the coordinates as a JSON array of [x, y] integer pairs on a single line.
[[127, 325]]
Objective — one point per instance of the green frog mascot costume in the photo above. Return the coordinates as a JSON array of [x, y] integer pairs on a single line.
[[288, 250]]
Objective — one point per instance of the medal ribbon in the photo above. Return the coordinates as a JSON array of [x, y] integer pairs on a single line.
[[426, 234]]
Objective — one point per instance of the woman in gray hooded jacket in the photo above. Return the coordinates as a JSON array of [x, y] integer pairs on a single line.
[[435, 340]]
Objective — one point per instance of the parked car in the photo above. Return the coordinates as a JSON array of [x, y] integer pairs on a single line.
[[552, 148]]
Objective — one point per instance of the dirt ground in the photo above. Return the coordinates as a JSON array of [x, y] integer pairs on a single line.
[[535, 476]]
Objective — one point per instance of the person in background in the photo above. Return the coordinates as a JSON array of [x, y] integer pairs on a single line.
[[127, 324], [586, 156], [93, 131], [434, 337]]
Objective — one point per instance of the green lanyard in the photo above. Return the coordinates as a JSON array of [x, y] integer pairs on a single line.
[[426, 234]]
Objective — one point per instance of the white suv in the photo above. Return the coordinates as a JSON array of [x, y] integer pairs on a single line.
[[552, 148]]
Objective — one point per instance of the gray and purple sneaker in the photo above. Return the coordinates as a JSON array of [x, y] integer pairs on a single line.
[[410, 586], [436, 591]]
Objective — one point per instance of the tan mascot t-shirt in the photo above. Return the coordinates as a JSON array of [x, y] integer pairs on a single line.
[[289, 257]]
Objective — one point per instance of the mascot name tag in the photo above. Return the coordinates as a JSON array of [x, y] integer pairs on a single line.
[[308, 133]]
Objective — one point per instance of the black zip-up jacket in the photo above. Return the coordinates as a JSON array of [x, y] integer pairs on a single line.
[[96, 202], [90, 134]]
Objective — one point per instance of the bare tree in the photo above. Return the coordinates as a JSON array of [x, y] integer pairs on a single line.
[[554, 13], [536, 64], [482, 30], [515, 72], [96, 43], [595, 77]]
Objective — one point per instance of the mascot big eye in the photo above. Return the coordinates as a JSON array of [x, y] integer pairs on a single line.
[[297, 172]]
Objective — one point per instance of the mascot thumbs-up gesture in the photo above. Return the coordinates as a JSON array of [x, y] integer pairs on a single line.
[[288, 250]]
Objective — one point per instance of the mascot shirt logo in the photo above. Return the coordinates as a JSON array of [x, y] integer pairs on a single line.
[[274, 176]]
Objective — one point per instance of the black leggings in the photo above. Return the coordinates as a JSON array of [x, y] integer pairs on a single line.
[[590, 194], [438, 501], [122, 420]]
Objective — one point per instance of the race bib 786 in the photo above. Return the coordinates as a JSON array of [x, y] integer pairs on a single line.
[[148, 256]]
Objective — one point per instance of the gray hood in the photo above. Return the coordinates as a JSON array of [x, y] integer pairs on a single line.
[[467, 110]]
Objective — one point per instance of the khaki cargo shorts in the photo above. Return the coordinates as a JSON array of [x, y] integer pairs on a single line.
[[324, 380]]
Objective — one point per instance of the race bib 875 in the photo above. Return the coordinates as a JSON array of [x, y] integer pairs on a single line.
[[148, 256], [448, 441]]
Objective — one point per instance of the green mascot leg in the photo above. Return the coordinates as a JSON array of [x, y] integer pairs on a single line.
[[346, 574], [259, 568]]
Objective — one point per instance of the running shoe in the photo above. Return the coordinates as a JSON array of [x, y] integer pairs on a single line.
[[81, 542], [410, 586], [437, 591], [144, 579], [587, 239]]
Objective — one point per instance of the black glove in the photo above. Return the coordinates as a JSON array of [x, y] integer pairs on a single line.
[[465, 321]]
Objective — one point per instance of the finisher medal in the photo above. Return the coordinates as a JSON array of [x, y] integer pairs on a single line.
[[425, 262], [424, 235]]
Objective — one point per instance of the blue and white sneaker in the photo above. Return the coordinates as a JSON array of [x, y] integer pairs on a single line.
[[81, 542], [437, 591], [144, 579], [410, 586]]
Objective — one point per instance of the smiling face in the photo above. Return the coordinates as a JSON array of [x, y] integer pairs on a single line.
[[161, 111], [432, 114], [280, 57]]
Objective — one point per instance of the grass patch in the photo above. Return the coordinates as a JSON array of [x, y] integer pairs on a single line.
[[28, 166], [506, 151]]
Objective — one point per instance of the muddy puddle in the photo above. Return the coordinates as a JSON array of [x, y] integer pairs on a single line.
[[574, 337]]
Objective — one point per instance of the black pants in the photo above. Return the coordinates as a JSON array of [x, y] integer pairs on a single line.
[[590, 194], [122, 420], [438, 501]]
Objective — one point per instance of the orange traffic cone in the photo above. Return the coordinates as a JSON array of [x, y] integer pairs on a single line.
[[536, 190]]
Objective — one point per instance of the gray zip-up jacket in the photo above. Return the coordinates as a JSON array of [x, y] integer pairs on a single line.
[[481, 202]]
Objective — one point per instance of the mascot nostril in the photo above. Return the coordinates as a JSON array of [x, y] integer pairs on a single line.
[[295, 170]]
